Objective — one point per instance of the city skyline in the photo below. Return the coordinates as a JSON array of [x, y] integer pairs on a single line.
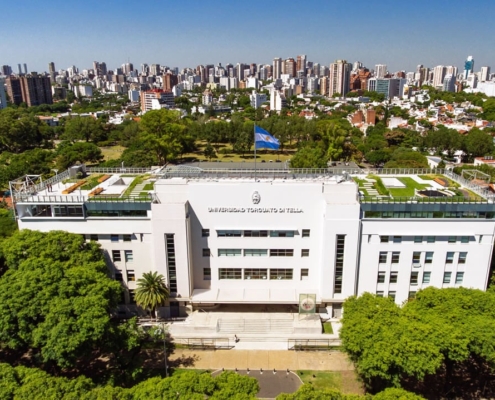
[[220, 32]]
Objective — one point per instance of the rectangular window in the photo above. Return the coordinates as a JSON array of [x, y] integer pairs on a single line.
[[464, 239], [229, 252], [446, 277], [430, 239], [428, 257], [416, 259], [281, 233], [462, 257], [130, 275], [418, 239], [127, 238], [128, 256], [255, 233], [379, 294], [68, 211], [383, 239], [426, 276], [205, 232], [93, 237], [459, 277], [255, 252], [171, 262], [411, 295], [305, 253], [131, 296], [395, 257], [206, 253], [229, 233], [304, 274], [118, 276], [255, 273], [229, 273], [393, 277], [207, 274], [281, 252], [449, 259], [305, 232], [381, 277], [391, 295], [397, 239], [414, 278], [116, 256], [114, 238], [281, 274], [452, 239], [339, 264], [382, 258]]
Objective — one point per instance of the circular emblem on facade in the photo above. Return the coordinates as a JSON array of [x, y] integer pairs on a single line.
[[308, 304], [256, 198]]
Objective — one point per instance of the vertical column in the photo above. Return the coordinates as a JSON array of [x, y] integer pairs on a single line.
[[172, 272], [339, 264]]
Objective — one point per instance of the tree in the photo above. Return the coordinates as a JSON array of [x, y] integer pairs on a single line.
[[80, 152], [309, 156], [209, 151], [477, 144], [151, 291], [83, 128], [406, 158]]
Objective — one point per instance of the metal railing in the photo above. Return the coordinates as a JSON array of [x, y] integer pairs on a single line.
[[312, 344], [122, 171]]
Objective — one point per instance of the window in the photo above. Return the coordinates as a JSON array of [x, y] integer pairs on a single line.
[[304, 274], [171, 263], [381, 277], [382, 258], [449, 259], [281, 274], [459, 277], [428, 257], [229, 273], [383, 239], [305, 253], [426, 276], [462, 257], [414, 278], [116, 256], [464, 239], [68, 211], [131, 296], [397, 239], [416, 259], [128, 256], [118, 276], [418, 239], [93, 237], [305, 232], [339, 264], [393, 277], [379, 294], [281, 252], [446, 277], [206, 253], [391, 295], [255, 233], [127, 238], [130, 275], [395, 257], [430, 239], [255, 273], [411, 295], [229, 252], [452, 239], [225, 233], [114, 238], [205, 232], [281, 233], [207, 274], [255, 252]]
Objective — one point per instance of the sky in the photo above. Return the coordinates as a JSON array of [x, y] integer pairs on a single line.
[[186, 34]]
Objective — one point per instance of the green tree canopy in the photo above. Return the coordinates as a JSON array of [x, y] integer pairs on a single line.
[[151, 291]]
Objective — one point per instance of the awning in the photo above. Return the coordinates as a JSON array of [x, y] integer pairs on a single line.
[[254, 296]]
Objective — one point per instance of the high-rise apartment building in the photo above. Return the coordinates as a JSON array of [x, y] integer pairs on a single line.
[[100, 68], [380, 71], [155, 69], [25, 68], [468, 67], [438, 76], [36, 90], [324, 81], [290, 67], [449, 83], [239, 71], [277, 68], [14, 89], [301, 63], [52, 71], [3, 98], [6, 70], [169, 81], [485, 74], [340, 74]]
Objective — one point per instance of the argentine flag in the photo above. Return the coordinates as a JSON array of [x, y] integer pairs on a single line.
[[263, 140]]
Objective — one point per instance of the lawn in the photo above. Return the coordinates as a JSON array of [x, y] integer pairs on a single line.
[[327, 328], [344, 381], [408, 191], [112, 152]]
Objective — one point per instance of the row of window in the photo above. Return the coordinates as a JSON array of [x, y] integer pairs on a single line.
[[417, 257], [447, 276], [117, 256], [255, 252], [429, 214], [427, 239], [255, 273], [130, 275], [256, 233]]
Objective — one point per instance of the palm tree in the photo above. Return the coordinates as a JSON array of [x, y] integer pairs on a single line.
[[151, 291]]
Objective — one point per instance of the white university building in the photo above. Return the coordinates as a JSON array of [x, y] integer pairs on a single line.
[[236, 237]]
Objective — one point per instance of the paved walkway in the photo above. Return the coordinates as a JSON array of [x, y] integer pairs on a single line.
[[266, 359]]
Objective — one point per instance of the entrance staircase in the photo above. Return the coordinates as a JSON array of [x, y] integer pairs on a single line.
[[255, 326]]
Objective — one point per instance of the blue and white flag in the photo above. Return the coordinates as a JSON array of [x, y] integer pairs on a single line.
[[263, 140]]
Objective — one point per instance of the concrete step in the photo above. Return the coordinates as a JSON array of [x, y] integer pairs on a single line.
[[255, 326]]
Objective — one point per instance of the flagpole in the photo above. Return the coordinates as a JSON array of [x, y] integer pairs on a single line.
[[254, 136]]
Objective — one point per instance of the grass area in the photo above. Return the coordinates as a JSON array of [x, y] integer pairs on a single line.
[[360, 183], [149, 186], [432, 177], [344, 381], [378, 185], [327, 328], [408, 191], [92, 182], [112, 152]]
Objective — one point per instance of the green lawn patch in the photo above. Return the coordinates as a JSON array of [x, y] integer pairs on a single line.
[[378, 185], [408, 191], [327, 328], [321, 379], [149, 186]]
